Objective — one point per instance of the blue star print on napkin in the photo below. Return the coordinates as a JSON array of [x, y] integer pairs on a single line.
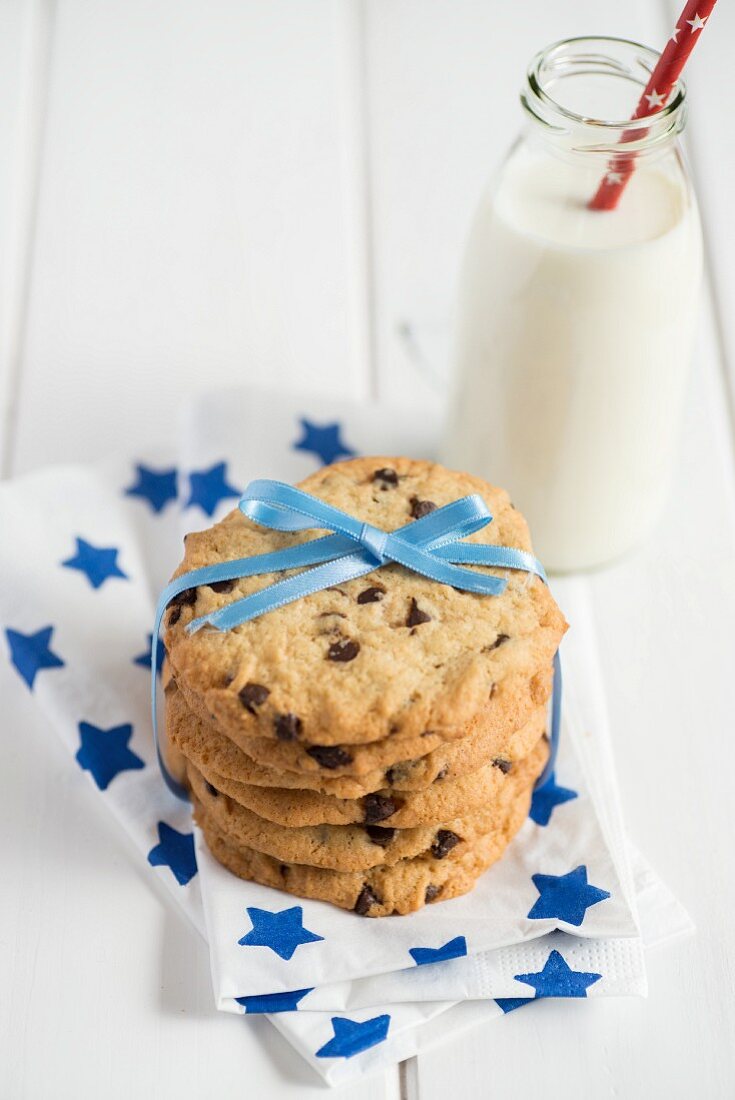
[[105, 753], [566, 897], [546, 798], [29, 653], [453, 949], [282, 931], [98, 563], [323, 441], [144, 659], [156, 487], [175, 850], [557, 979], [509, 1004], [209, 487], [352, 1038], [274, 1002]]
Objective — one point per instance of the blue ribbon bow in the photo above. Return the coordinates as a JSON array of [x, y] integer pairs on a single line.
[[430, 546]]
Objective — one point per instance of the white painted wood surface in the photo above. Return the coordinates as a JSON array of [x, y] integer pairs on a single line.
[[200, 192], [191, 213]]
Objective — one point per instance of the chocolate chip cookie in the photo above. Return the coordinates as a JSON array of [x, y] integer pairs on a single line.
[[401, 887], [391, 655], [360, 847], [201, 743]]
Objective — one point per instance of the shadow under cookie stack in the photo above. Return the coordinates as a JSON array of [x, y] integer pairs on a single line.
[[375, 744]]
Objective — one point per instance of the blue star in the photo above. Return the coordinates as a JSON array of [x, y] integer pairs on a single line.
[[509, 1004], [566, 897], [176, 851], [97, 563], [144, 659], [31, 652], [274, 1002], [557, 979], [282, 931], [453, 949], [105, 753], [546, 798], [158, 487], [209, 487], [323, 441], [352, 1038]]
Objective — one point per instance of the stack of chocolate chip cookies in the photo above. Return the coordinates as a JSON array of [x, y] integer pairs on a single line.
[[374, 744]]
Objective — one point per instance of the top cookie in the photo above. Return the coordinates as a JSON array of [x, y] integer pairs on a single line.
[[391, 654]]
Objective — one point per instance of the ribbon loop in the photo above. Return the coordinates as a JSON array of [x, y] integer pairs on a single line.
[[282, 507], [430, 546]]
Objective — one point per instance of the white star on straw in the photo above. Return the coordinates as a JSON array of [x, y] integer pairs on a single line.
[[696, 23], [655, 99], [614, 177], [675, 35]]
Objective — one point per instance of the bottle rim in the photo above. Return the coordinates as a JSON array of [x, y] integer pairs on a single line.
[[603, 55]]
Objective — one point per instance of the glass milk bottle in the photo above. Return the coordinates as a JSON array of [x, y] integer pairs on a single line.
[[575, 326]]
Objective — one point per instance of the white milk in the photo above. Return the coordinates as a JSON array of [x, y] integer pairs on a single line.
[[574, 336]]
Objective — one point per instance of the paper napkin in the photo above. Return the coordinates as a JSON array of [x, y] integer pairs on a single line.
[[91, 549]]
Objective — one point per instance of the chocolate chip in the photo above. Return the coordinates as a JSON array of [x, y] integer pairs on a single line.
[[283, 868], [343, 650], [184, 599], [504, 765], [329, 756], [252, 695], [445, 841], [212, 790], [442, 774], [432, 892], [365, 900], [378, 807], [399, 772], [372, 594], [386, 475], [416, 616], [498, 642], [421, 508], [288, 727], [380, 835], [222, 586]]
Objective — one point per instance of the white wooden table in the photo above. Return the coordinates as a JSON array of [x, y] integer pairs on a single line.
[[207, 191]]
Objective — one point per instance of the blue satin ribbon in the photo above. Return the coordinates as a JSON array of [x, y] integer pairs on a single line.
[[430, 546]]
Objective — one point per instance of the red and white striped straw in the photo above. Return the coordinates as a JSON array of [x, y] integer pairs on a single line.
[[655, 96]]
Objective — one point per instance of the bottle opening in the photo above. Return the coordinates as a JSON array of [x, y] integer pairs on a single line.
[[583, 91]]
